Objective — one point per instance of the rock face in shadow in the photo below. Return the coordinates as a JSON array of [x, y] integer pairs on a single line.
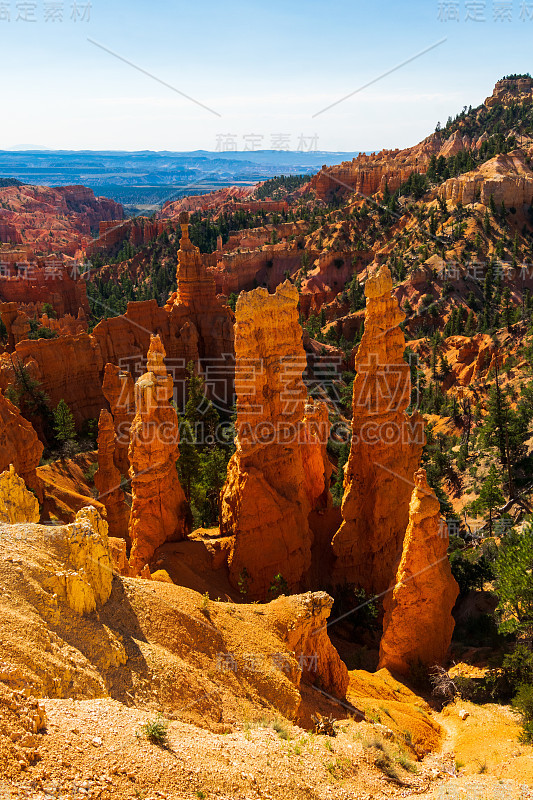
[[108, 479], [159, 511], [119, 390], [418, 623], [19, 444], [385, 451], [279, 471]]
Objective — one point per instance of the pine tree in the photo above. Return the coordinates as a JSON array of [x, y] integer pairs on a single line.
[[64, 427], [490, 496]]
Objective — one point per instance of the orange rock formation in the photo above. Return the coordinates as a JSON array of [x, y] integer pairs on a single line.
[[19, 444], [508, 178], [278, 473], [307, 636], [418, 622], [107, 479], [385, 451], [159, 510], [193, 326]]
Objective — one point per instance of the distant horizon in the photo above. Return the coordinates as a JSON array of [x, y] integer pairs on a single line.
[[220, 154]]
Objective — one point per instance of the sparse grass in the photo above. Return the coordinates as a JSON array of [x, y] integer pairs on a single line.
[[281, 729], [328, 745], [385, 763], [405, 762], [482, 766], [459, 764], [376, 741], [200, 795], [156, 730], [339, 768]]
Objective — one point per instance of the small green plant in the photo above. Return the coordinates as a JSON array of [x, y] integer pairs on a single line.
[[404, 761], [204, 608], [200, 795], [278, 586], [90, 473], [156, 730], [482, 766], [243, 582], [328, 745]]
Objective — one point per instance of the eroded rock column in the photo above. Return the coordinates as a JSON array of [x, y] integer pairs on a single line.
[[385, 450], [159, 512], [418, 623], [272, 486]]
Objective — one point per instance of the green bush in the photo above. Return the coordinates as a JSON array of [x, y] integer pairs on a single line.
[[524, 703], [156, 730]]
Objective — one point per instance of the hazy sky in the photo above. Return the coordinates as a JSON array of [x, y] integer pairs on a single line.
[[265, 67]]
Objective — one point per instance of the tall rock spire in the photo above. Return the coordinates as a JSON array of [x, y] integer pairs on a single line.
[[385, 450], [159, 510], [196, 286], [418, 622], [279, 471]]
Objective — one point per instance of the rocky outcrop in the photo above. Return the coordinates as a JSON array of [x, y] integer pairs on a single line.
[[53, 219], [58, 284], [511, 90], [19, 444], [507, 178], [107, 479], [385, 450], [17, 504], [307, 636], [418, 622], [271, 486], [219, 200], [83, 548], [159, 511]]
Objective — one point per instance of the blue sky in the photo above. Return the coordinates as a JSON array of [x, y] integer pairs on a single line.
[[266, 68]]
